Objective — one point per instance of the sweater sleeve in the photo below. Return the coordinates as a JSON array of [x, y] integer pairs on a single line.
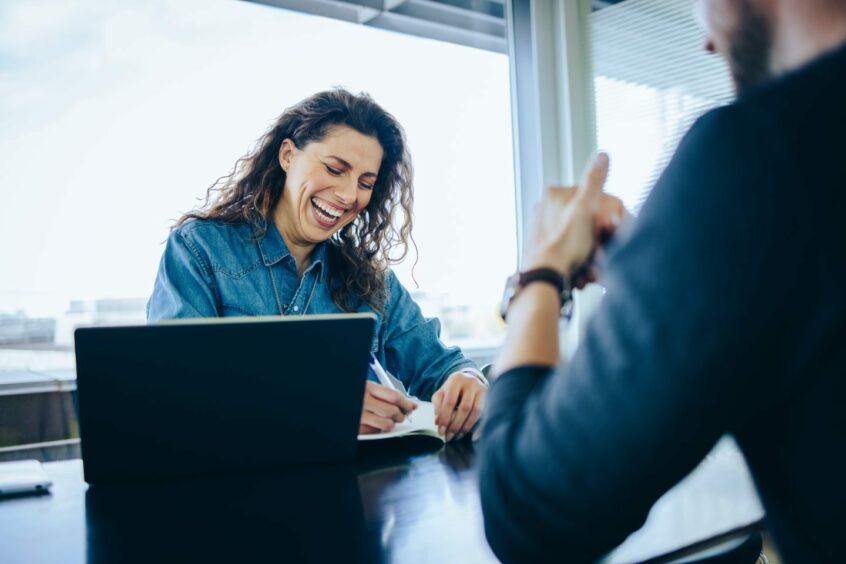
[[678, 353]]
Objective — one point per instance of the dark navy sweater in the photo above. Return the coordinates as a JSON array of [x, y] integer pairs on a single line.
[[725, 312]]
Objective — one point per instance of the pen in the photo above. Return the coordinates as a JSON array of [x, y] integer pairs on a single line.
[[386, 379]]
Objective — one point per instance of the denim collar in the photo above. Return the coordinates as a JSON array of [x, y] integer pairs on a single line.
[[273, 248]]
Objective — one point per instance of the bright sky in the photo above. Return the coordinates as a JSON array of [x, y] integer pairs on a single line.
[[115, 115]]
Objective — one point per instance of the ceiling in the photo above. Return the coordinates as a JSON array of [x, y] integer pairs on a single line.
[[475, 23]]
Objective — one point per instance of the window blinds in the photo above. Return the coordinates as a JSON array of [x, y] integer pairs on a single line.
[[652, 78]]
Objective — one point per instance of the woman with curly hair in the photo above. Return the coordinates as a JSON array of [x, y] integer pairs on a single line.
[[305, 224]]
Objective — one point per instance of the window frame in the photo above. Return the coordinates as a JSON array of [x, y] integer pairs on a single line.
[[553, 115]]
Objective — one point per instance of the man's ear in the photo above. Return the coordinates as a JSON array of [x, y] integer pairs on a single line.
[[286, 153]]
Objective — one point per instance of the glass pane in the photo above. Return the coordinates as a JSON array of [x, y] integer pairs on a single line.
[[116, 116], [652, 79]]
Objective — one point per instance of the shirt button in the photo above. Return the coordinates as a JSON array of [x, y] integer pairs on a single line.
[[296, 308]]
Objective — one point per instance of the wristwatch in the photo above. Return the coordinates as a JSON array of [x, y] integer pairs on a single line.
[[520, 280]]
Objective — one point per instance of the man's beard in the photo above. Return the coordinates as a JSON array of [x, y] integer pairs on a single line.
[[749, 49]]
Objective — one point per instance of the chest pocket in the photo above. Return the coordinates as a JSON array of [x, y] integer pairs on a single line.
[[243, 291]]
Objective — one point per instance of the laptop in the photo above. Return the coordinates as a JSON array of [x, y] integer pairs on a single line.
[[215, 396]]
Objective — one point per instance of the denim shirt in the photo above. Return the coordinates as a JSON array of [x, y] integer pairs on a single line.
[[211, 269]]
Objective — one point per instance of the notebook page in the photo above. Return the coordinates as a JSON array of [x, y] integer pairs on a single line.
[[423, 418]]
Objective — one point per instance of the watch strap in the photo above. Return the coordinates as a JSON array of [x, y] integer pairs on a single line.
[[542, 274]]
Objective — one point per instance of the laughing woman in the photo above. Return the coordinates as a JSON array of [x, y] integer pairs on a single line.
[[305, 224]]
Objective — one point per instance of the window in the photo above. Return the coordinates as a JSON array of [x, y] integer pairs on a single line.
[[117, 116], [652, 79]]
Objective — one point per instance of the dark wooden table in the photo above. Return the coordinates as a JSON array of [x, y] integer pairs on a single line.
[[385, 507]]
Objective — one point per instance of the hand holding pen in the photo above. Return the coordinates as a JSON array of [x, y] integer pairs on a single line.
[[385, 404]]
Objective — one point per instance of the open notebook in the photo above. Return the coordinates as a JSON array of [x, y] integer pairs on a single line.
[[420, 424]]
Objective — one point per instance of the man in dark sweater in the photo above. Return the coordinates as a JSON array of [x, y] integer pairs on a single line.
[[725, 312]]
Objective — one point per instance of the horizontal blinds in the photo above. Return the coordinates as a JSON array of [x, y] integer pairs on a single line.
[[474, 23], [652, 79]]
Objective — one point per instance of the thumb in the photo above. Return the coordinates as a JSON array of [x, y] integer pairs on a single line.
[[590, 188]]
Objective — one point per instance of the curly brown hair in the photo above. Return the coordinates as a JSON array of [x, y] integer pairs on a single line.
[[361, 251]]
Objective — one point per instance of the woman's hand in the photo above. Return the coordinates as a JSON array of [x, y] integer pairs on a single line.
[[383, 408], [458, 404]]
